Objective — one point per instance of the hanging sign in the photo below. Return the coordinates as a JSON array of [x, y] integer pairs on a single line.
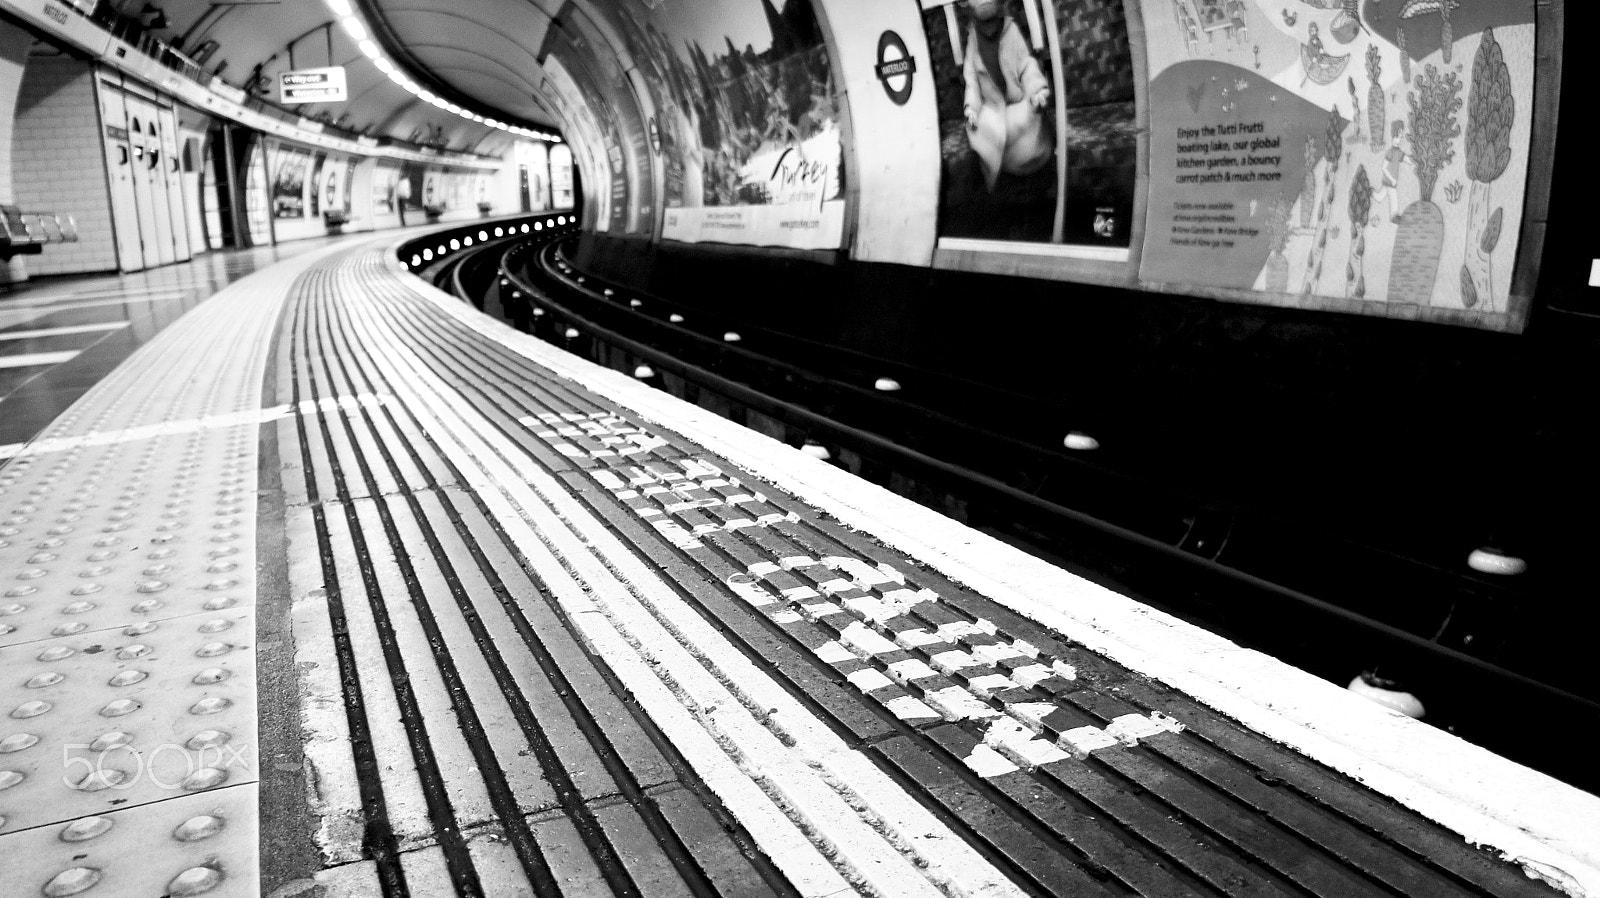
[[325, 85]]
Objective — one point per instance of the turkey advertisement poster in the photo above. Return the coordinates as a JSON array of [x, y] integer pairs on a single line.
[[743, 118], [1357, 155], [1038, 122]]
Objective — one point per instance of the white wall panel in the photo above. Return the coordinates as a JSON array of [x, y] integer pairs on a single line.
[[893, 175]]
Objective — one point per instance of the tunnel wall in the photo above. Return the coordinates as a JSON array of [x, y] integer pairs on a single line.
[[1230, 149], [1424, 428]]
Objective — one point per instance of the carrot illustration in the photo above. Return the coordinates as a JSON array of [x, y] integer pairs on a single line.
[[1414, 265]]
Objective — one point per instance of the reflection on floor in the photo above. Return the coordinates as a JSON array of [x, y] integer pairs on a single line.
[[60, 336]]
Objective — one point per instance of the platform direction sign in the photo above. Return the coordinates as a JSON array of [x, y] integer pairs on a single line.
[[326, 85]]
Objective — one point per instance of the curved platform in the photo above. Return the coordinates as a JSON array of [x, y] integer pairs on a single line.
[[338, 583]]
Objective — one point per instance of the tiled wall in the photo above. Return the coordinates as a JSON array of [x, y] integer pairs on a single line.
[[13, 53], [58, 160]]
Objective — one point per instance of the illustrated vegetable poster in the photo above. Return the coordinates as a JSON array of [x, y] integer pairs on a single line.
[[1360, 155]]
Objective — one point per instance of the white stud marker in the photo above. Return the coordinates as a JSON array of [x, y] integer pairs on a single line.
[[1489, 560], [675, 318], [1388, 694], [1594, 273], [538, 312], [816, 450], [887, 385], [644, 372], [731, 337], [609, 292], [503, 282], [635, 303], [572, 333], [1080, 442]]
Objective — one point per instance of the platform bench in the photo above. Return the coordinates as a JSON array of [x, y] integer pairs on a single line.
[[27, 233]]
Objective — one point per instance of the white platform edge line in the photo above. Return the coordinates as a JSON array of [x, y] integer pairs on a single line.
[[956, 869], [1549, 828]]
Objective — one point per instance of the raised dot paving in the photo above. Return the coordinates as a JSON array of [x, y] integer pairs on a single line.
[[128, 743]]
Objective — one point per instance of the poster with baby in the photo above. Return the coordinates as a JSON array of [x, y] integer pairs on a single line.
[[1365, 156], [1037, 122]]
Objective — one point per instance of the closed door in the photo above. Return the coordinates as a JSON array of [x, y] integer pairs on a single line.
[[143, 195], [119, 168], [172, 168], [158, 235]]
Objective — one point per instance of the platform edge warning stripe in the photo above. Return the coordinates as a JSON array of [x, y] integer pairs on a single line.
[[678, 665], [1529, 818]]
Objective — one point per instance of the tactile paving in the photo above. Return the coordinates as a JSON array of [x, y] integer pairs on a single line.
[[186, 846], [103, 720], [128, 751]]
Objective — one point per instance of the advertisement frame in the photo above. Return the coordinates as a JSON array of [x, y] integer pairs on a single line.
[[1078, 263]]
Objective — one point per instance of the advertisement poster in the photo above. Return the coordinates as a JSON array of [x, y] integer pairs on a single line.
[[628, 146], [289, 166], [1366, 156], [534, 160], [350, 184], [384, 180], [597, 83], [316, 182], [409, 190], [745, 119], [561, 187], [1037, 120], [257, 195], [603, 184]]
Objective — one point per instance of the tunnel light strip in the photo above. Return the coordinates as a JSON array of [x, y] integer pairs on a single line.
[[369, 48]]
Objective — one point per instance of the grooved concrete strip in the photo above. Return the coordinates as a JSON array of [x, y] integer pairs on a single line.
[[128, 751], [464, 736]]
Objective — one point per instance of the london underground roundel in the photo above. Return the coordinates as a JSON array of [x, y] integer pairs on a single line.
[[895, 67]]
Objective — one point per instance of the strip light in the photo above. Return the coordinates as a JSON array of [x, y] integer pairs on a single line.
[[369, 48]]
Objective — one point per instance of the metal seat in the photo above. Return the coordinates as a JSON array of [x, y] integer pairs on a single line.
[[16, 237]]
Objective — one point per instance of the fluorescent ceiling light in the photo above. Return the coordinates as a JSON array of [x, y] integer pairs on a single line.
[[370, 49], [340, 7], [354, 28]]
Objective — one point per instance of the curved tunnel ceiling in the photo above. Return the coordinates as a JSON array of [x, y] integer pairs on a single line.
[[482, 49], [466, 53]]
